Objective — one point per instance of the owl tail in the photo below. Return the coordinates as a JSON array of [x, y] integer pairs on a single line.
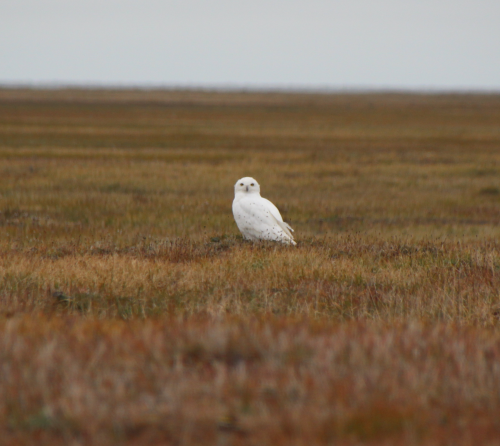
[[286, 229]]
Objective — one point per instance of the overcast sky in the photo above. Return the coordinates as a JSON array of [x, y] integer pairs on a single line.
[[430, 44]]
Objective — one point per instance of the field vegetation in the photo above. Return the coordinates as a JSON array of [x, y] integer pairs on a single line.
[[132, 312]]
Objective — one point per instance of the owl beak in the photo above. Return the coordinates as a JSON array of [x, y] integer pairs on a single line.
[[247, 188]]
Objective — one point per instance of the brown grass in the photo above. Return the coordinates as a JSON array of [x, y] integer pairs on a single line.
[[253, 381], [132, 312]]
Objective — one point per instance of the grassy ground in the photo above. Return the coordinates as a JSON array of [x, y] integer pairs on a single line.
[[132, 312]]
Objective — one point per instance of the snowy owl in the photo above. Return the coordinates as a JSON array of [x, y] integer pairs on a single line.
[[256, 217]]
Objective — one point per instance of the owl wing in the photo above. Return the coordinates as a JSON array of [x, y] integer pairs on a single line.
[[261, 216], [279, 219]]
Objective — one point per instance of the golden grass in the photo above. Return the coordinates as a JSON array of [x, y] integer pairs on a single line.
[[132, 312]]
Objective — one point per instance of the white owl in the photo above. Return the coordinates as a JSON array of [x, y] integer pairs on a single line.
[[256, 217]]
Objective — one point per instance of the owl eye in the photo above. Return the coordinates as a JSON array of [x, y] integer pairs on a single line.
[[241, 184], [252, 184]]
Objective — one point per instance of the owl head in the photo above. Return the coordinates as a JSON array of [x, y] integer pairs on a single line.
[[247, 185]]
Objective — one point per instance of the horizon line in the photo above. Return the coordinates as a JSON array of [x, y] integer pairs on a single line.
[[245, 88]]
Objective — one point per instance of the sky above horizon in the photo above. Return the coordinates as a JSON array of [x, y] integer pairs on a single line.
[[321, 44]]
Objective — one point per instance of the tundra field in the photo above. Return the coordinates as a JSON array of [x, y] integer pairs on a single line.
[[133, 313]]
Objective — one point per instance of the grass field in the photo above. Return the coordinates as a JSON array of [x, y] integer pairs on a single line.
[[132, 312]]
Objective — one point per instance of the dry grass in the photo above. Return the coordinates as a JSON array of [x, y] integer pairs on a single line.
[[132, 312], [273, 382]]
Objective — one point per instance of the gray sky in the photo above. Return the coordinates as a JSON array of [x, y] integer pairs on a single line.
[[431, 44]]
